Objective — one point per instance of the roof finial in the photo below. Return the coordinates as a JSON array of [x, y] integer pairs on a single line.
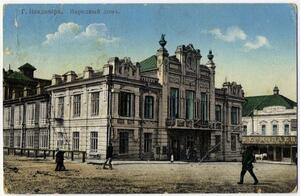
[[276, 90], [210, 56], [162, 40]]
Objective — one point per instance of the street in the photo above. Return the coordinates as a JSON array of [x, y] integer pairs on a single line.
[[28, 175]]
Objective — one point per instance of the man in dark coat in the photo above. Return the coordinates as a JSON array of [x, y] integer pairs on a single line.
[[247, 160], [59, 159], [109, 155]]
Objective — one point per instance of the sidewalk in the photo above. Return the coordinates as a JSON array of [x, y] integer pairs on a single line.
[[126, 162], [275, 162]]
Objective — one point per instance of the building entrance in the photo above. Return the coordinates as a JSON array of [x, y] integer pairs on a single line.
[[189, 145]]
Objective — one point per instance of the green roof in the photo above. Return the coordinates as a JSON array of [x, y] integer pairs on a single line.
[[19, 76], [148, 64], [27, 66], [260, 102]]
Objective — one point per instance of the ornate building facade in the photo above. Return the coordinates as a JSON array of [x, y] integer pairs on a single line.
[[270, 125], [160, 106], [25, 109]]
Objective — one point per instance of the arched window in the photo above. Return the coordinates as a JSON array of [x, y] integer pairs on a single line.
[[263, 129], [286, 129], [275, 129]]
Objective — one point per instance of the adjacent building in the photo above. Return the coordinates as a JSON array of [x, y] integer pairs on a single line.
[[270, 124], [160, 106], [25, 109]]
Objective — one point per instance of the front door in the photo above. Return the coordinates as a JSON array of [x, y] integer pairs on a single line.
[[175, 143]]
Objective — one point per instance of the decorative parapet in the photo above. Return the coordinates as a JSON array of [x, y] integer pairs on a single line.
[[149, 79]]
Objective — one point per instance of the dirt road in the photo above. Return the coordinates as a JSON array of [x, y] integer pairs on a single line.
[[24, 175]]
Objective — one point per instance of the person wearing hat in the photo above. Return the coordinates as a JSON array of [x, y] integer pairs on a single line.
[[109, 155], [247, 160], [59, 159]]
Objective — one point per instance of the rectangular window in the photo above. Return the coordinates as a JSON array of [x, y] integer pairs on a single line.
[[94, 141], [263, 129], [43, 112], [203, 105], [29, 138], [17, 139], [125, 104], [148, 107], [275, 127], [7, 116], [76, 105], [147, 142], [234, 115], [190, 95], [60, 107], [123, 145], [30, 113], [245, 129], [218, 113], [16, 115], [44, 138], [286, 129], [218, 142], [60, 140], [75, 141], [174, 103], [95, 103], [233, 142], [20, 114], [6, 138]]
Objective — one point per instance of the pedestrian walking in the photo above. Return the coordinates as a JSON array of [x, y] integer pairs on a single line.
[[109, 155], [247, 160], [59, 159]]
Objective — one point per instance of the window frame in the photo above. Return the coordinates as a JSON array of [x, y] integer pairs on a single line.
[[274, 131], [126, 104], [174, 103], [44, 139], [149, 107], [60, 107], [148, 143], [17, 138], [123, 142], [234, 111], [203, 106], [286, 131], [220, 113], [30, 139], [189, 101], [75, 140], [77, 105], [263, 129], [95, 100], [94, 139], [6, 138]]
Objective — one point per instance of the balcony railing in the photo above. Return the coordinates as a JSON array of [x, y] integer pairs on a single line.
[[192, 124]]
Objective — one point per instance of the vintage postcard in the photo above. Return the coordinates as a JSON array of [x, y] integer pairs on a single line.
[[149, 98]]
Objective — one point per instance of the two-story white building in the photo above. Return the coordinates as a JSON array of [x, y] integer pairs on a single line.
[[160, 106], [25, 109], [270, 124]]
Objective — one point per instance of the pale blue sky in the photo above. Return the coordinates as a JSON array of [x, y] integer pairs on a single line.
[[254, 44]]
